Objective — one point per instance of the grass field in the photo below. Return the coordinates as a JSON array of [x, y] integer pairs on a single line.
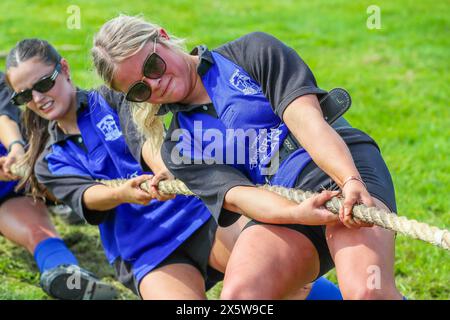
[[398, 77]]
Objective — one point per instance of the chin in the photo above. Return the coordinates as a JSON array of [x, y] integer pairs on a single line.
[[50, 116], [47, 117]]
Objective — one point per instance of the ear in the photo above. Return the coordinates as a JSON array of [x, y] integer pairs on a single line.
[[65, 68], [163, 33]]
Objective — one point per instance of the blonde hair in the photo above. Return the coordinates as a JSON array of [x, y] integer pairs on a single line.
[[119, 39]]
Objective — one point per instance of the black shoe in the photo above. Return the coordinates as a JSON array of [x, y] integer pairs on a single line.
[[70, 282]]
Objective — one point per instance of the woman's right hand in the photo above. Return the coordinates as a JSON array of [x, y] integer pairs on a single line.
[[5, 173], [16, 153], [312, 211], [130, 192]]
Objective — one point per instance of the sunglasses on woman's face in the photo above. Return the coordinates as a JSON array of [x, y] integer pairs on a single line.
[[153, 68], [42, 86]]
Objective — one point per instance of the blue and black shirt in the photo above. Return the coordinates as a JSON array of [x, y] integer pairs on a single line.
[[142, 236], [250, 82]]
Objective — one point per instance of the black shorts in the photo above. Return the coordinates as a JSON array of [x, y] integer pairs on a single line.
[[194, 251], [374, 172]]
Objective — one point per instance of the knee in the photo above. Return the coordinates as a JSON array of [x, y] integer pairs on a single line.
[[241, 289], [237, 289]]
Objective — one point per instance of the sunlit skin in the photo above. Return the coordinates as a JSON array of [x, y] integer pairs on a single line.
[[59, 103], [180, 83]]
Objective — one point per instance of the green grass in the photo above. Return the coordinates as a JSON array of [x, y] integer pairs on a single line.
[[398, 78]]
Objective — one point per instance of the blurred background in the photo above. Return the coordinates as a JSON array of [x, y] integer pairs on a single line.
[[392, 56]]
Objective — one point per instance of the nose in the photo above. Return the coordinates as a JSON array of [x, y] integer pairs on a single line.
[[37, 96], [155, 84]]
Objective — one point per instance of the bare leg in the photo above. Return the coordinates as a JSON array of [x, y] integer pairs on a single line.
[[223, 246], [224, 243], [364, 260], [25, 222], [301, 293], [269, 262], [173, 282]]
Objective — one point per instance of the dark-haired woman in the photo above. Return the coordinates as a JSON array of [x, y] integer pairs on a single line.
[[25, 221]]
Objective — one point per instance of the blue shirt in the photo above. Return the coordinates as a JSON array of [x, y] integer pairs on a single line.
[[129, 231]]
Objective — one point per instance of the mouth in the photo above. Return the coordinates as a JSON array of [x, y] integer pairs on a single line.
[[46, 107]]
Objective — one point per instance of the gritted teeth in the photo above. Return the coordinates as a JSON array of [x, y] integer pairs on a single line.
[[46, 106]]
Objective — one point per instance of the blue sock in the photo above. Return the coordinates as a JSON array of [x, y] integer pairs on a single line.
[[53, 252], [323, 289]]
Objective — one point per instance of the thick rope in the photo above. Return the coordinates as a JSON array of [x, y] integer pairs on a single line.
[[372, 215], [19, 171]]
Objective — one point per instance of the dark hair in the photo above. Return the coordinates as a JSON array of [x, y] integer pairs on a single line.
[[36, 128], [32, 48]]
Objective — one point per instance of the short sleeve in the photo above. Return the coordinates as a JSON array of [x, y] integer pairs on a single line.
[[68, 184], [279, 70]]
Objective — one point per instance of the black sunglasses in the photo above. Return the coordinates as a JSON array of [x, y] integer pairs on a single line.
[[42, 86], [153, 68]]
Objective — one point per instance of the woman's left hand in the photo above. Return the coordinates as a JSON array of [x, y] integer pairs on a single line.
[[354, 193], [163, 175]]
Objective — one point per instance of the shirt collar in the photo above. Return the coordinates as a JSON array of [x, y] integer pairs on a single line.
[[206, 61], [56, 134]]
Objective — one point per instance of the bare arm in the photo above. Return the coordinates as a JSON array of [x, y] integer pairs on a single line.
[[266, 206], [305, 120], [103, 198], [153, 159], [9, 131]]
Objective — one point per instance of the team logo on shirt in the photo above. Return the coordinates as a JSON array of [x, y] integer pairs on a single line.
[[244, 83], [109, 128]]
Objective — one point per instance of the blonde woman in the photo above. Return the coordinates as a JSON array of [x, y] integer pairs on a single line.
[[258, 83]]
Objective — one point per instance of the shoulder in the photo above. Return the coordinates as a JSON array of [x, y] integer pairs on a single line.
[[250, 43], [114, 98], [255, 49], [256, 38]]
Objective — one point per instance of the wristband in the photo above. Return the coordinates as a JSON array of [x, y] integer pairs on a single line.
[[353, 178], [21, 142]]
